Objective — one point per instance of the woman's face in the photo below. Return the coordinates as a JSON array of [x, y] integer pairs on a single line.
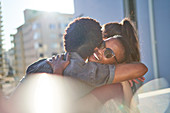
[[115, 45]]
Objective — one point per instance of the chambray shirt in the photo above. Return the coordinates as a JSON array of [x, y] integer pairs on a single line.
[[92, 73]]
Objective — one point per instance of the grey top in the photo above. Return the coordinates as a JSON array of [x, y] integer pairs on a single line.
[[92, 73]]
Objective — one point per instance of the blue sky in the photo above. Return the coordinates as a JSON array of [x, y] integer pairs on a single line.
[[12, 13]]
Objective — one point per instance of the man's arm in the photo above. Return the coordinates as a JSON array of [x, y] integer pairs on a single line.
[[131, 71]]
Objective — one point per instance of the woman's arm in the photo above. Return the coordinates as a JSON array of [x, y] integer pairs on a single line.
[[127, 92], [124, 72]]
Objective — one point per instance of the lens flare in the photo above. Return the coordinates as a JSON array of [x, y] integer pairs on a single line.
[[42, 93], [48, 93]]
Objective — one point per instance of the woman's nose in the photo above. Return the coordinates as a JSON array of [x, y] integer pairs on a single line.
[[98, 50]]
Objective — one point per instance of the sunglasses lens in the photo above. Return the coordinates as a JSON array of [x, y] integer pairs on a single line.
[[108, 53]]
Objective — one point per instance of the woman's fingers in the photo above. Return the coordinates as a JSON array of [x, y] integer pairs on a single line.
[[49, 62], [61, 57], [68, 57], [135, 81], [58, 56], [130, 82], [53, 57], [142, 80], [59, 60]]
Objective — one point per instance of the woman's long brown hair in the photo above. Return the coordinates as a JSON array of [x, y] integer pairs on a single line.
[[129, 38]]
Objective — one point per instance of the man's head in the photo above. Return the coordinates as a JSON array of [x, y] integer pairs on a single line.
[[82, 35]]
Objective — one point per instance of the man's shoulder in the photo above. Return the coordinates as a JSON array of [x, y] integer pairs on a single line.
[[100, 65], [40, 66]]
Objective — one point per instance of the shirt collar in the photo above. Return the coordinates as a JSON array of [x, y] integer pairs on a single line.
[[75, 55]]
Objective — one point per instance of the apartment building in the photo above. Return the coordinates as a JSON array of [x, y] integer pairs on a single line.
[[39, 37], [19, 63], [1, 46]]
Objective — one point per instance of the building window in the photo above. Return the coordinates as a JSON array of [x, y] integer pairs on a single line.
[[61, 44], [41, 55], [36, 45], [53, 35], [55, 45], [54, 53], [52, 26], [59, 25], [62, 26], [60, 35], [70, 19], [36, 35], [40, 45], [36, 26], [66, 24]]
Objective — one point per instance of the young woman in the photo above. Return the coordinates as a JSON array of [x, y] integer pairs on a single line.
[[124, 45], [120, 46]]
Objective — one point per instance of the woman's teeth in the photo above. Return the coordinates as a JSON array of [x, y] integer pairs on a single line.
[[96, 56]]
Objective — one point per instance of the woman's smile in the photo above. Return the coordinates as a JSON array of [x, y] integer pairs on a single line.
[[96, 57]]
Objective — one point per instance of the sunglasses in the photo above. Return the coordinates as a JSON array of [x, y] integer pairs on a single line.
[[108, 53]]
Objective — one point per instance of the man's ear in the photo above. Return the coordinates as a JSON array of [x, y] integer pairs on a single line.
[[85, 51]]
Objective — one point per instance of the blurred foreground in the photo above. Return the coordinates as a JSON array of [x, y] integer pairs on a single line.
[[44, 93]]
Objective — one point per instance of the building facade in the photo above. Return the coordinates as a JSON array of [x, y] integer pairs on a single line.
[[39, 37], [19, 64], [1, 47]]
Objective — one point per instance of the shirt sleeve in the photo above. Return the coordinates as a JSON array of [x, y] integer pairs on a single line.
[[40, 66], [111, 74], [92, 73], [105, 73]]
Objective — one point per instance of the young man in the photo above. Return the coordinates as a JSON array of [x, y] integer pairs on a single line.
[[81, 37]]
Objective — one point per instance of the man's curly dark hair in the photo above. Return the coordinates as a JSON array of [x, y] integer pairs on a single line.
[[82, 35]]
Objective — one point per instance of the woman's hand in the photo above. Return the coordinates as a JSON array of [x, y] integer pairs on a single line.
[[58, 64], [140, 79]]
